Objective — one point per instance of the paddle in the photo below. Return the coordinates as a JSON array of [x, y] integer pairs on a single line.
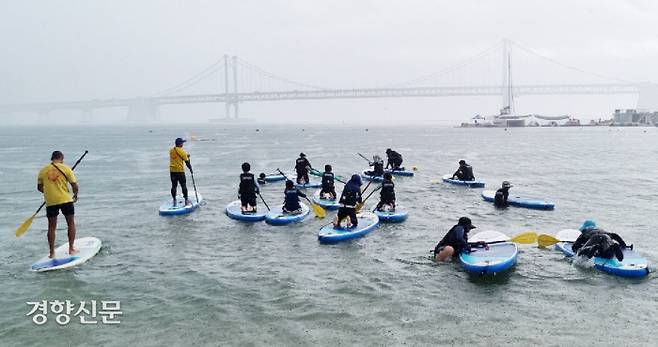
[[336, 177], [263, 200], [362, 156], [319, 211], [523, 238], [545, 240], [194, 185], [28, 222]]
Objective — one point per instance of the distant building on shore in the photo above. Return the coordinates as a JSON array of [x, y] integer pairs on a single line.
[[633, 117]]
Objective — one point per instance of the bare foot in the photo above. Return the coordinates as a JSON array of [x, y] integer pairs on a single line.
[[73, 251], [51, 255], [187, 202]]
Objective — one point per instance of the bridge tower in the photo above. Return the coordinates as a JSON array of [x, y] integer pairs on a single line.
[[507, 89], [231, 97]]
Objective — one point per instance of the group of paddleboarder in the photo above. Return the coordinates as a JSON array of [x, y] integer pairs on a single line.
[[55, 178]]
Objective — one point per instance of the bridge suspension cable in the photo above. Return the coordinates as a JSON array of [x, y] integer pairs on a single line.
[[209, 71], [249, 66]]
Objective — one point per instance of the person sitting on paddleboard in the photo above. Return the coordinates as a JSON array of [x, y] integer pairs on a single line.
[[464, 173], [387, 194], [595, 242], [53, 181], [261, 178], [348, 199], [178, 156], [247, 190], [455, 241], [500, 199], [302, 166], [328, 190], [291, 201], [394, 159], [377, 166]]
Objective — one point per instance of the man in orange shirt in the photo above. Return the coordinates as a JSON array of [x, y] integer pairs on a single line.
[[53, 181]]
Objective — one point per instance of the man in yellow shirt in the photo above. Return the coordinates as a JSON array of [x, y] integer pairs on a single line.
[[53, 181], [178, 156]]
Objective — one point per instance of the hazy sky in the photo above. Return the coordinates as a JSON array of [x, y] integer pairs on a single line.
[[69, 50]]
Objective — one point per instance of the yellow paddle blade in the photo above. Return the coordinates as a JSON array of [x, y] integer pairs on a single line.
[[23, 227], [525, 238], [546, 240], [435, 181], [358, 207], [319, 211]]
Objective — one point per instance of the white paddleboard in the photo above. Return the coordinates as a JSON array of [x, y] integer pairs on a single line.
[[87, 248]]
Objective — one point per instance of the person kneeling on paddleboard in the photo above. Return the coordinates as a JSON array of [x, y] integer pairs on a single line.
[[291, 201], [178, 156], [348, 199], [455, 241], [247, 190], [394, 160], [595, 242], [261, 178], [302, 166], [53, 181], [328, 190], [500, 199], [387, 195], [464, 172], [377, 166]]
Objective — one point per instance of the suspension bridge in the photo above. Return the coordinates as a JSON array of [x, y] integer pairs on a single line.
[[244, 82]]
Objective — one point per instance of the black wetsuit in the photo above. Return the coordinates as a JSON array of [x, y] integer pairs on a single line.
[[328, 184], [464, 173], [348, 199], [456, 238], [291, 201], [301, 166], [599, 243], [377, 169], [394, 160], [248, 189], [500, 199], [387, 194]]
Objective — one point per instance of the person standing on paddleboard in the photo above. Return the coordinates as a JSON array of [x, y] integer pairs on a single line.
[[328, 190], [500, 199], [248, 190], [302, 166], [394, 160], [53, 181], [455, 241], [178, 156], [348, 199], [387, 194], [464, 172]]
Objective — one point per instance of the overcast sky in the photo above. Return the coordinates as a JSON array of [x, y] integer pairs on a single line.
[[70, 50]]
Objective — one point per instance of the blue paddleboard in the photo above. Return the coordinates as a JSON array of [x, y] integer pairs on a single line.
[[499, 257], [324, 203], [399, 215], [536, 204], [368, 221], [277, 217], [168, 209], [401, 172], [234, 211], [472, 184], [365, 176]]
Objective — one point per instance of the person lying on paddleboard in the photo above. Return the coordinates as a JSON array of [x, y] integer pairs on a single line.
[[328, 190], [595, 242], [53, 181], [500, 199], [178, 156], [464, 172], [247, 190], [291, 201], [302, 166], [377, 166], [261, 178], [387, 194], [348, 199], [455, 241], [394, 160]]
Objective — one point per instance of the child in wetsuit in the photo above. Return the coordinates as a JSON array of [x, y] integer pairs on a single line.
[[291, 201], [248, 190], [348, 199], [328, 190], [302, 165], [377, 167], [387, 195], [261, 178]]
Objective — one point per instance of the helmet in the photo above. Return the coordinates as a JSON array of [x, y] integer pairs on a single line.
[[302, 154], [289, 184], [376, 158], [246, 167], [506, 184], [388, 150], [462, 162], [587, 225], [327, 168]]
